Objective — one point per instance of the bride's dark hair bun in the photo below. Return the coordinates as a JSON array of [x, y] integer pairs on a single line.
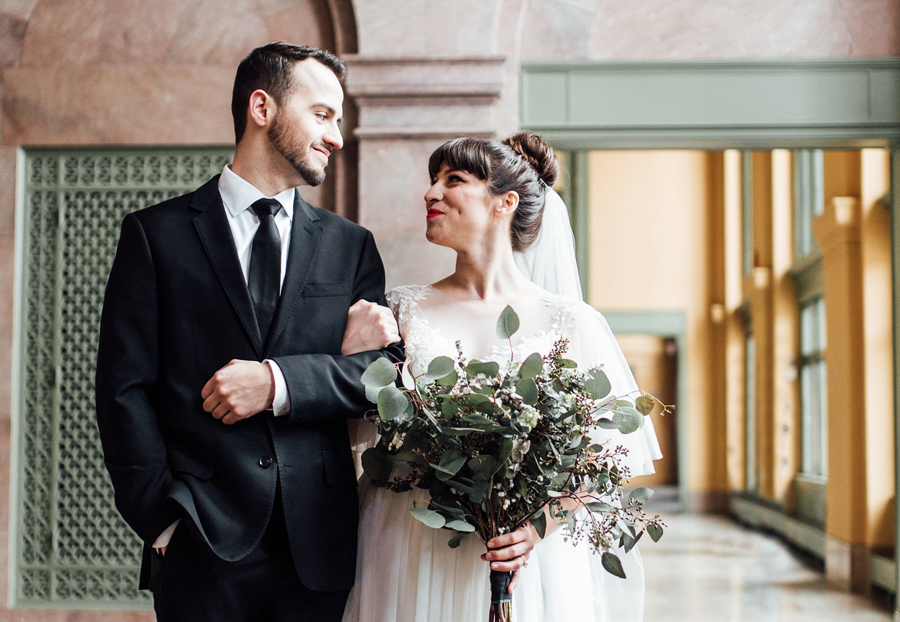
[[518, 164], [538, 153]]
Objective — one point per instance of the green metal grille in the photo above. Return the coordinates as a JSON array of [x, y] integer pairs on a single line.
[[73, 550]]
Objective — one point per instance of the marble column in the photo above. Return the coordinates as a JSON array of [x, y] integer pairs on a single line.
[[837, 231], [408, 106]]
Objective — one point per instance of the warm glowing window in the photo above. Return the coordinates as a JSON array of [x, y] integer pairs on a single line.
[[808, 198], [813, 402]]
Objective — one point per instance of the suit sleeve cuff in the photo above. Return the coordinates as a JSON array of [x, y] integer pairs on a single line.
[[163, 539], [281, 405]]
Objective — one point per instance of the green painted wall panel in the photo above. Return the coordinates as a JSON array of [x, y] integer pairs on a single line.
[[546, 97], [70, 548], [885, 89], [714, 104], [717, 98]]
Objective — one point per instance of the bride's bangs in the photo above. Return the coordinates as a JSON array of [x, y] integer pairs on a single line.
[[462, 154]]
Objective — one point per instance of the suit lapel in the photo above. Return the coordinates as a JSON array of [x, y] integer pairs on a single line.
[[305, 237], [218, 242]]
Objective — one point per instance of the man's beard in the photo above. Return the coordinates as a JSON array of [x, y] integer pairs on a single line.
[[285, 144]]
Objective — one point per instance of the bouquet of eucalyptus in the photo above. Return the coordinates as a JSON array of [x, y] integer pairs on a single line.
[[499, 445]]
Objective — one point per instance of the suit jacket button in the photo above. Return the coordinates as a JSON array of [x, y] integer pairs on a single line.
[[265, 461]]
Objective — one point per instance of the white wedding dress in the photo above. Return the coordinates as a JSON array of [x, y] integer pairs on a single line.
[[405, 570]]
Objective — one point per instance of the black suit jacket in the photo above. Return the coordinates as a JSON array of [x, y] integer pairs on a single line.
[[176, 310]]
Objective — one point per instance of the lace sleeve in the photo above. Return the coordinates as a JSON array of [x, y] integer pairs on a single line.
[[393, 299], [592, 344]]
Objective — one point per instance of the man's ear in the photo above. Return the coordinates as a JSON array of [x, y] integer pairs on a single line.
[[262, 109], [508, 204]]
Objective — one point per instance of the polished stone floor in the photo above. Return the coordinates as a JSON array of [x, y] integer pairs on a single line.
[[710, 569]]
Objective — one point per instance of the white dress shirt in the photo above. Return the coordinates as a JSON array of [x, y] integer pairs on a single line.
[[238, 195]]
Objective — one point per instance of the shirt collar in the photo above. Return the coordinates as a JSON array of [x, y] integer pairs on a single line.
[[238, 194]]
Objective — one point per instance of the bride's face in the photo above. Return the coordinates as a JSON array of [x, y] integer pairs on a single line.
[[461, 212]]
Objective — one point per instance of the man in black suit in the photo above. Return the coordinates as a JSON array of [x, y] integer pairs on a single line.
[[237, 322]]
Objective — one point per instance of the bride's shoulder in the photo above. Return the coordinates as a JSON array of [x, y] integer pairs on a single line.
[[568, 311], [400, 298], [560, 302], [408, 292]]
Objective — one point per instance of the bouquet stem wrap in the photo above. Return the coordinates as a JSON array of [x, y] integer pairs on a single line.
[[501, 599]]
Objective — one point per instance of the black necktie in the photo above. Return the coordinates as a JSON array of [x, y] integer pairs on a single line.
[[265, 264]]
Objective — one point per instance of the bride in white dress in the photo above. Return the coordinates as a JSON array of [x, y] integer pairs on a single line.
[[492, 203]]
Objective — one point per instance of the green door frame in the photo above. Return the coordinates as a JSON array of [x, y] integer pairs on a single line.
[[895, 262], [721, 104]]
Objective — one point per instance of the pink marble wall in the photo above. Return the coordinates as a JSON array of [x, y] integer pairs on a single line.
[[132, 72], [639, 29]]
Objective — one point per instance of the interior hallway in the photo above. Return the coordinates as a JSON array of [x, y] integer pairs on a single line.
[[711, 569]]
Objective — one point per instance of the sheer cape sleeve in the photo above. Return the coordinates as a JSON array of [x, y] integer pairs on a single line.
[[362, 433], [592, 344]]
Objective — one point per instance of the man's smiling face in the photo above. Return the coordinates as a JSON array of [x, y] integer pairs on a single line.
[[306, 127]]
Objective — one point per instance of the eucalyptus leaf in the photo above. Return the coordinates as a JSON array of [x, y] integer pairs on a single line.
[[458, 431], [655, 531], [451, 462], [489, 408], [483, 466], [627, 542], [532, 366], [506, 449], [490, 369], [429, 517], [567, 364], [645, 404], [450, 379], [598, 506], [539, 521], [456, 540], [449, 408], [480, 491], [508, 323], [629, 420], [522, 486], [528, 390], [570, 523], [440, 474], [640, 495], [612, 565], [447, 509], [392, 403], [475, 399], [377, 465], [461, 487], [439, 367], [478, 420], [607, 424], [372, 394], [460, 525], [380, 373], [597, 384]]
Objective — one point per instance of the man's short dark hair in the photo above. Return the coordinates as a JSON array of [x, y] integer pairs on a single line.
[[271, 69]]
